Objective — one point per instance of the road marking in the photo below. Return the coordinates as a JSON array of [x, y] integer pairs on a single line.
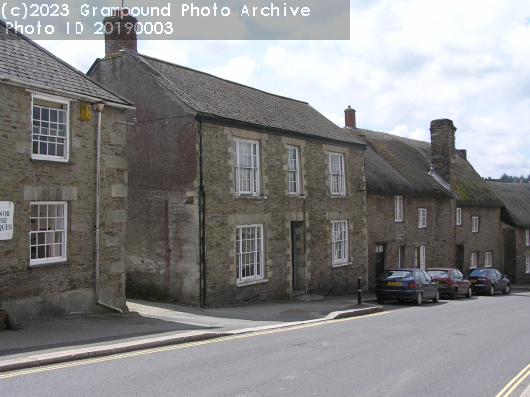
[[175, 347], [514, 383]]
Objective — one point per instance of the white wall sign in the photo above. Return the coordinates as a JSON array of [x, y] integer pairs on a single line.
[[7, 209]]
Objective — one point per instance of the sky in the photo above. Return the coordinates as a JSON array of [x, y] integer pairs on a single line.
[[407, 62]]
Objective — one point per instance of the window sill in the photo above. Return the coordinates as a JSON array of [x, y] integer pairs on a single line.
[[338, 196], [341, 264], [66, 262], [248, 196], [300, 196], [252, 282], [52, 161]]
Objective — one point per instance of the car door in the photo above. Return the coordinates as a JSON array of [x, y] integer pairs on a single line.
[[500, 282], [459, 281], [427, 285]]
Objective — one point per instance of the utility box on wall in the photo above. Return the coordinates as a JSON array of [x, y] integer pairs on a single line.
[[86, 112]]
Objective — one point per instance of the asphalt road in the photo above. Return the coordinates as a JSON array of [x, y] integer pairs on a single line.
[[466, 347]]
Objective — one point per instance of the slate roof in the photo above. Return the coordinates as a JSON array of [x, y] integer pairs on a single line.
[[211, 95], [24, 60], [516, 200], [397, 166]]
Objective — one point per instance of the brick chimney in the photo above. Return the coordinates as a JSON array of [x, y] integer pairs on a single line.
[[123, 33], [443, 157], [349, 117]]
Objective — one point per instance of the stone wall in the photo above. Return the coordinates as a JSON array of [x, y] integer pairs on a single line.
[[65, 287], [488, 238], [522, 252], [406, 236], [313, 210]]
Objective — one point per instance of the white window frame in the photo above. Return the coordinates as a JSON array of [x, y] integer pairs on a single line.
[[474, 224], [422, 257], [38, 124], [398, 208], [527, 264], [528, 237], [293, 170], [249, 253], [459, 217], [488, 259], [337, 174], [48, 233], [339, 242], [474, 260], [247, 165], [422, 218]]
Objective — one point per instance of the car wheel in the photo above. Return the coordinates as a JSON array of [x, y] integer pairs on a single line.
[[418, 300], [492, 291], [380, 300], [469, 292], [437, 297], [507, 290], [452, 295]]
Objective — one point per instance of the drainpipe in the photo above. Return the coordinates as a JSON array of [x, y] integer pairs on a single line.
[[98, 107], [202, 224]]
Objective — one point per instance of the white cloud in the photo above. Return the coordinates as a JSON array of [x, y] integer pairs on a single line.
[[239, 69]]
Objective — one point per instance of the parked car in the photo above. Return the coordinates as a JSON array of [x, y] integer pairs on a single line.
[[406, 284], [488, 281], [451, 282]]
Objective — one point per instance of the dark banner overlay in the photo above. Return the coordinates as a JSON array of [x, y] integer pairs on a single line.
[[171, 20]]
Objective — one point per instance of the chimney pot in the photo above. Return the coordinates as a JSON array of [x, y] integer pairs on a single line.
[[349, 117]]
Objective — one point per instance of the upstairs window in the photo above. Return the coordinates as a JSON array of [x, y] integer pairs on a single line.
[[49, 119], [246, 161], [398, 208], [459, 216], [339, 242], [528, 237], [47, 232], [293, 166], [488, 259], [474, 260], [337, 180], [422, 217], [474, 224]]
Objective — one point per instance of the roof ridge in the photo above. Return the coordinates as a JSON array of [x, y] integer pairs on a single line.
[[64, 63], [220, 78]]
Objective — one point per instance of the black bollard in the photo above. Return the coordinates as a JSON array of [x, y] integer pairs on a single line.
[[359, 289]]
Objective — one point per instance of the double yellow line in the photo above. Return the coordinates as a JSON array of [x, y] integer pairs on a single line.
[[514, 383]]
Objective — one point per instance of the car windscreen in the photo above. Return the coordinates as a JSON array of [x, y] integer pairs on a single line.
[[394, 274], [478, 272], [437, 273]]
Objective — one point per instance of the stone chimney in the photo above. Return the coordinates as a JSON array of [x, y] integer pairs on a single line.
[[120, 32], [443, 156], [349, 117]]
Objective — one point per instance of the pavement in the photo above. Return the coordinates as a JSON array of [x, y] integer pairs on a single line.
[[52, 340]]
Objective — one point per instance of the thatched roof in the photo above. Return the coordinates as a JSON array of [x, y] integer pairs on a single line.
[[516, 200], [397, 166]]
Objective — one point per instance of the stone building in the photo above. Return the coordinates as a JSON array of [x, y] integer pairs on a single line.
[[236, 194], [51, 208], [415, 191], [515, 217]]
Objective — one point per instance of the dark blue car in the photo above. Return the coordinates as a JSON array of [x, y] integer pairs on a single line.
[[406, 284]]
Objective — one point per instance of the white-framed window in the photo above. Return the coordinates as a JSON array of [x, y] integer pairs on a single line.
[[398, 208], [247, 170], [488, 259], [249, 241], [339, 241], [50, 121], [474, 260], [293, 166], [528, 237], [474, 224], [527, 264], [47, 232], [422, 217], [337, 176], [459, 216]]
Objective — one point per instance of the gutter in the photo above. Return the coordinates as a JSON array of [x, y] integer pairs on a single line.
[[202, 224], [12, 81]]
